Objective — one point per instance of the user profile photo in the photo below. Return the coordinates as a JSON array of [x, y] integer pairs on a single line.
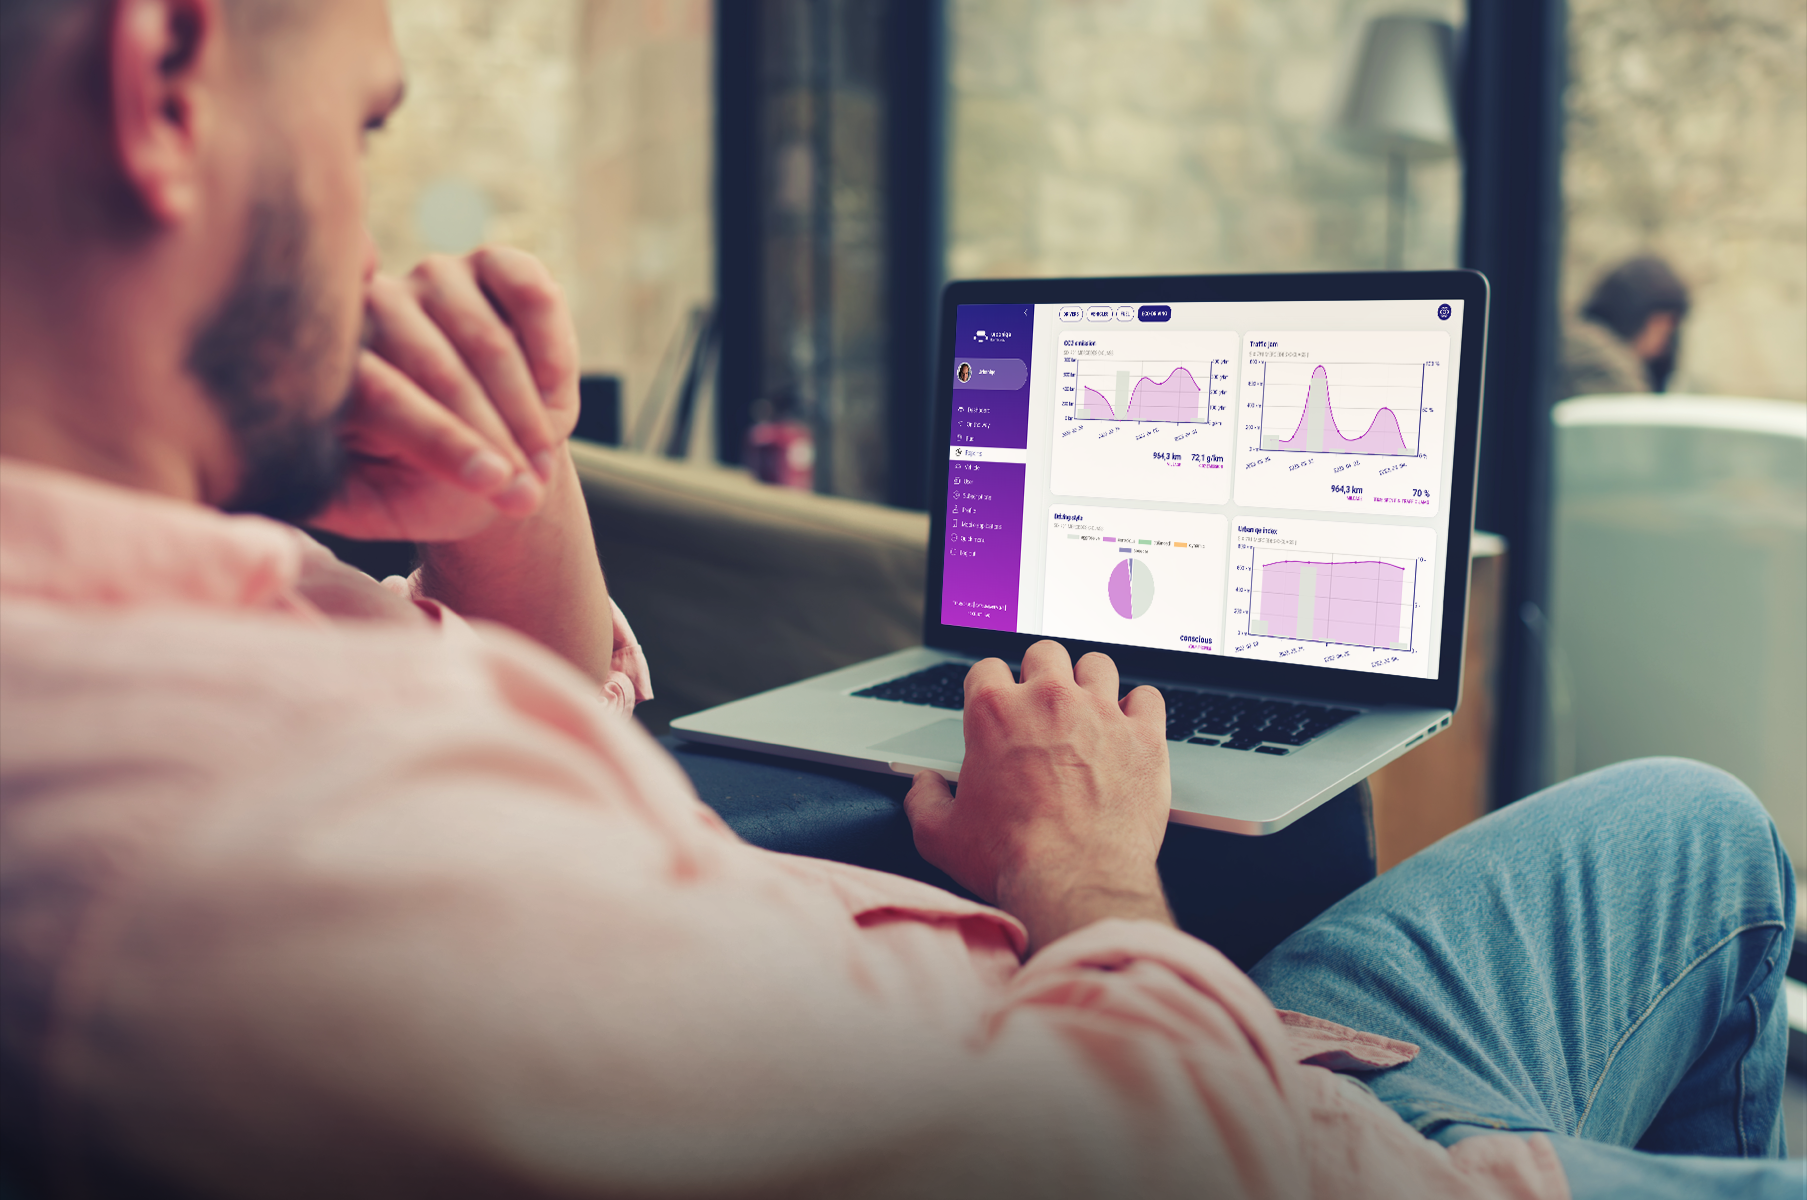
[[965, 372]]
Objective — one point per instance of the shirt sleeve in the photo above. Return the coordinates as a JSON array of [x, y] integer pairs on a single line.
[[629, 683], [457, 933], [629, 679]]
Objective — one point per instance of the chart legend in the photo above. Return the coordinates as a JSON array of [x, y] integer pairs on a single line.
[[1343, 421]]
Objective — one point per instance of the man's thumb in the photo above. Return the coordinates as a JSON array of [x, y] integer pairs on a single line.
[[927, 803]]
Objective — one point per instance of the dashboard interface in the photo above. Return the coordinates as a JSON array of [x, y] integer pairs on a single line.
[[1262, 480]]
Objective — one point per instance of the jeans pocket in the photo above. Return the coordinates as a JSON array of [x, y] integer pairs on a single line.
[[1446, 1123]]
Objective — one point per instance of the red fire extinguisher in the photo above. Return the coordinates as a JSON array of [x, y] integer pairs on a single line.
[[782, 452]]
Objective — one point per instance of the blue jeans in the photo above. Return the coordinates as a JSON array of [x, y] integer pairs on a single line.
[[1601, 962]]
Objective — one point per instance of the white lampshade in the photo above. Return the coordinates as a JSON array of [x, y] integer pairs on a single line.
[[1401, 100]]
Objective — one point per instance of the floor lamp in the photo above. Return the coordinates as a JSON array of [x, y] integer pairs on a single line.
[[1401, 105]]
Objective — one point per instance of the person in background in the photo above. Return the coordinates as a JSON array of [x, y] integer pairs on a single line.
[[1626, 336]]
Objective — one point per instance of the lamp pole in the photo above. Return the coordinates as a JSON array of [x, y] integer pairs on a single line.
[[1400, 105], [1396, 198]]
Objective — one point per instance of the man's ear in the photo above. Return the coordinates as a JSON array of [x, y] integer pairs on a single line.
[[163, 60]]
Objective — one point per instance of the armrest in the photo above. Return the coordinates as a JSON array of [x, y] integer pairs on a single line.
[[735, 587]]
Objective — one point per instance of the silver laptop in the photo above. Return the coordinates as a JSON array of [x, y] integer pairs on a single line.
[[1254, 492]]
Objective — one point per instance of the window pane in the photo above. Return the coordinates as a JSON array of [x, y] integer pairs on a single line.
[[821, 207], [578, 130], [1687, 139], [1095, 137]]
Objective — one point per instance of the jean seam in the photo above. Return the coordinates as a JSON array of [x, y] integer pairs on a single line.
[[1650, 1009], [1744, 1145]]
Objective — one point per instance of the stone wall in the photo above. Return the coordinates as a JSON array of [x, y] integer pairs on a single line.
[[1158, 136], [486, 132], [576, 129], [1687, 137], [1093, 136], [1127, 136], [645, 157]]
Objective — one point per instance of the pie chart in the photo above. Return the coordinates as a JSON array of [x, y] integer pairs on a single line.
[[1131, 588]]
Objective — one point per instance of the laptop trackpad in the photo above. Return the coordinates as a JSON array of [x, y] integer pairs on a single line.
[[943, 741]]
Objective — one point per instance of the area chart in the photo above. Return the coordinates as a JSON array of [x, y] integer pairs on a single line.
[[1177, 397], [1319, 431], [1345, 594], [1339, 601], [1345, 421], [1144, 414]]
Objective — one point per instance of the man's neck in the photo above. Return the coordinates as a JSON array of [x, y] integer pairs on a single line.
[[92, 381]]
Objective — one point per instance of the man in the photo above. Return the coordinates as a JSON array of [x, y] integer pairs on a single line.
[[310, 887], [1628, 333]]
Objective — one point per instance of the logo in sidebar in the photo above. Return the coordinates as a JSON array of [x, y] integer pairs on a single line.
[[1443, 311]]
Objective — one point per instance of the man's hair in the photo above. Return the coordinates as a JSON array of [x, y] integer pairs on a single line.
[[24, 25], [1632, 292]]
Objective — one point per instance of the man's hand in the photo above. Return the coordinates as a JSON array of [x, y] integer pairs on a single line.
[[457, 430], [463, 400], [1064, 795]]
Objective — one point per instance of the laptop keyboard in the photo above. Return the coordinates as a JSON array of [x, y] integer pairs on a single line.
[[940, 686], [1201, 718]]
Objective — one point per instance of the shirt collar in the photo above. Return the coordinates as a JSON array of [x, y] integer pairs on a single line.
[[76, 540]]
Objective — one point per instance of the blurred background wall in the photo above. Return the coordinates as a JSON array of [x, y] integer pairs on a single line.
[[1687, 136], [1097, 137], [1091, 136], [482, 149], [577, 129]]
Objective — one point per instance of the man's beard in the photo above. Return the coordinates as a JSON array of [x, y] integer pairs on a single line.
[[267, 357], [1660, 368]]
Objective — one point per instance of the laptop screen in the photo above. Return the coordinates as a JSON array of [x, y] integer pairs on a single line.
[[1265, 481]]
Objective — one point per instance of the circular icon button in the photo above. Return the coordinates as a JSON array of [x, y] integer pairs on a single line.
[[1443, 311]]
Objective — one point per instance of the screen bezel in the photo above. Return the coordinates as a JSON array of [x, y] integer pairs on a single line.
[[1212, 670]]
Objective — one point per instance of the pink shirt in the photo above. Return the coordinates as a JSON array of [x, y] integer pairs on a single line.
[[383, 903]]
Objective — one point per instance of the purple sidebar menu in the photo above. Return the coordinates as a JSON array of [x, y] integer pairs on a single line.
[[984, 550]]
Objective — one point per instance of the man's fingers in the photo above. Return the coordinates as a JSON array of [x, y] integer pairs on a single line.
[[1047, 659], [1146, 704], [448, 292], [391, 417], [926, 805], [988, 672], [1097, 674], [403, 334], [533, 305]]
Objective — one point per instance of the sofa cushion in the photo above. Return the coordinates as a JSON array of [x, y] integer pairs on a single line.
[[734, 586]]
